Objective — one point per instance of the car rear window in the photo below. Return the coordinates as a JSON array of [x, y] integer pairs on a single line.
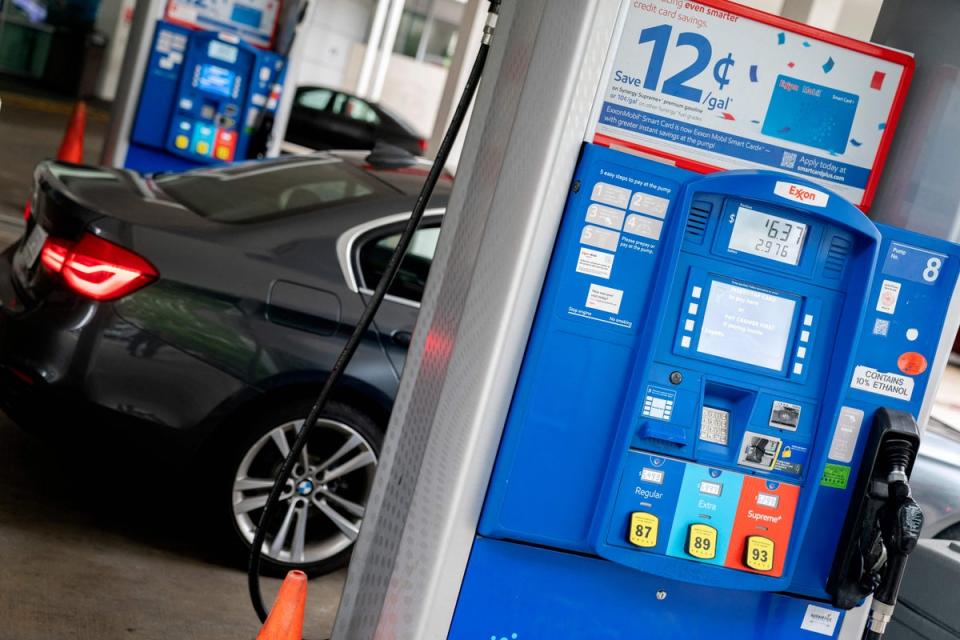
[[253, 192]]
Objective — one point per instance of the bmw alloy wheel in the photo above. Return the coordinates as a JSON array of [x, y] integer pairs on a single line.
[[323, 502]]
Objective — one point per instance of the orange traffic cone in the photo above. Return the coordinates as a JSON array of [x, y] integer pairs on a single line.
[[71, 149], [285, 621]]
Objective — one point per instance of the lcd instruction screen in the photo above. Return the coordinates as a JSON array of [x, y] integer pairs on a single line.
[[214, 79], [746, 325], [768, 236]]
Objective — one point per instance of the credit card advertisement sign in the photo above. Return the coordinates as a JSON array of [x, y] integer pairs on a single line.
[[715, 86], [253, 20]]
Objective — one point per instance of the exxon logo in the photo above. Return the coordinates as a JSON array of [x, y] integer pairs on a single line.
[[800, 193]]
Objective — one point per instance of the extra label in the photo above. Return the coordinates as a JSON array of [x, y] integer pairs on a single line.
[[702, 541], [891, 385], [643, 529]]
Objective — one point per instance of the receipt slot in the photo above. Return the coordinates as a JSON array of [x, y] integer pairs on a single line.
[[706, 362]]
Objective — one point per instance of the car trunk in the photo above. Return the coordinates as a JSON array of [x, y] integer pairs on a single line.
[[70, 201]]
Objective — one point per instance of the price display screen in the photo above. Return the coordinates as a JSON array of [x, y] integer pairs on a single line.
[[224, 52], [767, 236]]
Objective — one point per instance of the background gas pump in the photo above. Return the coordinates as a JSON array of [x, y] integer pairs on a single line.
[[641, 400], [203, 83]]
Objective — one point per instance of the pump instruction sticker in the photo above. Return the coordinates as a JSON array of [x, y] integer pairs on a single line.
[[595, 263], [891, 385], [889, 296], [604, 299], [713, 89]]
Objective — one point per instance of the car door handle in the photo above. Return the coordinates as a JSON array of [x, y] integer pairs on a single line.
[[401, 338]]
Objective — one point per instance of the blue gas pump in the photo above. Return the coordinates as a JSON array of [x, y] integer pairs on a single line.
[[690, 420], [652, 393], [212, 80]]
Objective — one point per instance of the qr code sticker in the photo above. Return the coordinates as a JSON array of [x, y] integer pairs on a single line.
[[881, 327], [789, 160]]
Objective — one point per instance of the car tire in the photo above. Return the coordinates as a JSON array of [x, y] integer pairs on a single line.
[[320, 511]]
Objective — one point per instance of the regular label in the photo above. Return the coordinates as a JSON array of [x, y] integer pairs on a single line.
[[604, 299], [889, 294], [595, 263], [891, 385], [820, 620]]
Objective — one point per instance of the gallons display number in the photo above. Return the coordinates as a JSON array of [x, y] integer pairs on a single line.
[[767, 236]]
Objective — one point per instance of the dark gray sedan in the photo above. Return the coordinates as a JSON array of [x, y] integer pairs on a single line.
[[204, 309], [936, 481]]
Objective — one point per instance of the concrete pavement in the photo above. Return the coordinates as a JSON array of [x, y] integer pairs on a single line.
[[89, 552], [31, 128]]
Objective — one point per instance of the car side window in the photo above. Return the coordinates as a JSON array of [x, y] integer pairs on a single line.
[[355, 109], [412, 277], [316, 99]]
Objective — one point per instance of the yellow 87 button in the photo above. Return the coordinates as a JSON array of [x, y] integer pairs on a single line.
[[643, 529], [702, 541]]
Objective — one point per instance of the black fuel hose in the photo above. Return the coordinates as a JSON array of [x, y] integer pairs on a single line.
[[363, 325]]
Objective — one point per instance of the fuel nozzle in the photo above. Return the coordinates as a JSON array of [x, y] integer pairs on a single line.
[[900, 521]]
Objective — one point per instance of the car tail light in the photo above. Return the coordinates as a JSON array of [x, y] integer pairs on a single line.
[[423, 145], [54, 254], [96, 268], [27, 209]]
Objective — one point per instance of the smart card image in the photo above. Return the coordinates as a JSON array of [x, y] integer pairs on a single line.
[[810, 114]]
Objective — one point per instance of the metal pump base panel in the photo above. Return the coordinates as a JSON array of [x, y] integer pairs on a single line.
[[692, 408]]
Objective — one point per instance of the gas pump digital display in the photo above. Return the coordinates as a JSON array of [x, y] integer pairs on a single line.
[[768, 236]]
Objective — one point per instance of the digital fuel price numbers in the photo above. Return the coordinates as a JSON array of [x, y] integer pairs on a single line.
[[767, 236]]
